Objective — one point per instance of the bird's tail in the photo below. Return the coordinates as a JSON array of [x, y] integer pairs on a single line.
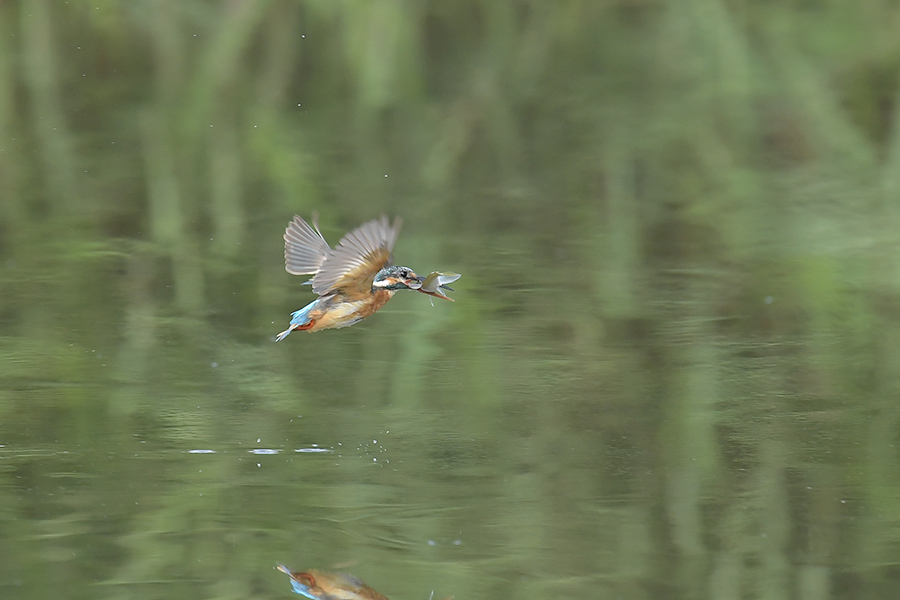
[[284, 333]]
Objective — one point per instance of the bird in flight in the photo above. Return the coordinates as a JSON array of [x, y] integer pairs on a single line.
[[354, 279]]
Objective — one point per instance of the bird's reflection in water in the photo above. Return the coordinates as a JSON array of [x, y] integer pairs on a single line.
[[321, 585]]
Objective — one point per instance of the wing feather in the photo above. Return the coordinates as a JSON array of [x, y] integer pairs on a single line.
[[305, 249], [356, 259]]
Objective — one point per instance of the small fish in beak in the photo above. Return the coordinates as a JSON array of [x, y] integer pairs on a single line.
[[436, 282]]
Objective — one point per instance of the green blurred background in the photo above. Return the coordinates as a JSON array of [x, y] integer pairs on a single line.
[[671, 370]]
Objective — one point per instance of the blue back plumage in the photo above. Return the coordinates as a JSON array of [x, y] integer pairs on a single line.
[[299, 588], [300, 317]]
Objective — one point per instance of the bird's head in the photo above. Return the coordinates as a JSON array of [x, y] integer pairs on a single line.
[[396, 278]]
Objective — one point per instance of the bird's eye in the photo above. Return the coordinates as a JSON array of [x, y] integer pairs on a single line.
[[404, 274]]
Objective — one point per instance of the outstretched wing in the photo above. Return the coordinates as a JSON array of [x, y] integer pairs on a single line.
[[305, 250], [360, 254]]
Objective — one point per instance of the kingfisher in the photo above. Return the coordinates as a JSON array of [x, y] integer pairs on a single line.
[[353, 279], [319, 585]]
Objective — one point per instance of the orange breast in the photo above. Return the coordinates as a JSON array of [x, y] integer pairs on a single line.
[[341, 312], [377, 300]]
